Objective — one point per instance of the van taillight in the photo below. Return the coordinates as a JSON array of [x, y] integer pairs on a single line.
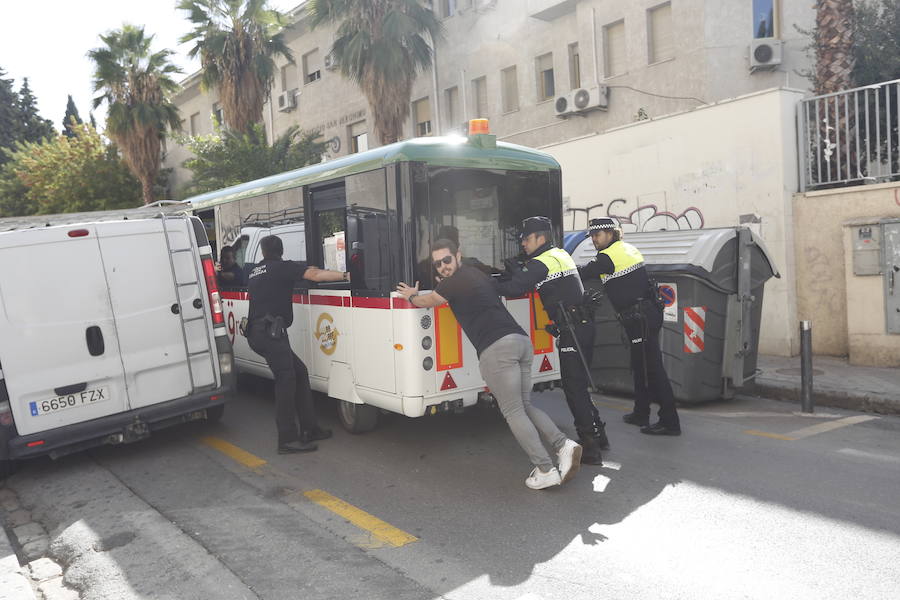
[[215, 302], [78, 232]]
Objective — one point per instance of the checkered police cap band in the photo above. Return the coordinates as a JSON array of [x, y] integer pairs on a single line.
[[600, 224]]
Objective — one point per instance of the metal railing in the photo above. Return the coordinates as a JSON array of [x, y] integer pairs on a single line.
[[850, 137]]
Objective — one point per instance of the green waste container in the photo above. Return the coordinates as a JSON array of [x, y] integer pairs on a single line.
[[713, 282]]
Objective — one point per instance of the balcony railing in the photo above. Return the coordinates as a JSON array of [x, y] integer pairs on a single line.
[[850, 137]]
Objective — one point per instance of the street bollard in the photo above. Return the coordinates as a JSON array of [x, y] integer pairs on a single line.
[[806, 371]]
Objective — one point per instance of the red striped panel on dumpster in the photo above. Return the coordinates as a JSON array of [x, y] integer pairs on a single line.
[[694, 326]]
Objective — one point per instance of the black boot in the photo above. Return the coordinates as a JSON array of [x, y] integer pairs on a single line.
[[590, 453], [600, 434]]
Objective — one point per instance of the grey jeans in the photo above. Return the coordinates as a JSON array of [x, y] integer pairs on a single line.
[[505, 366]]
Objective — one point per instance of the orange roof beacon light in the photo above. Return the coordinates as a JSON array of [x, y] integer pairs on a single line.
[[480, 134], [479, 127]]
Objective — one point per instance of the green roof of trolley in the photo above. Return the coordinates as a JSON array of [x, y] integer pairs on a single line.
[[440, 151]]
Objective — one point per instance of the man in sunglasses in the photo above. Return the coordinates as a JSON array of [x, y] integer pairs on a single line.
[[504, 359], [552, 273]]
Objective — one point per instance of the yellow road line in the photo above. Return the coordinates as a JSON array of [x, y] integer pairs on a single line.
[[829, 426], [766, 434], [233, 452], [379, 529]]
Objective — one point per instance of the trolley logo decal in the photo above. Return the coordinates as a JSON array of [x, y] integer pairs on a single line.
[[669, 294], [326, 334], [694, 326]]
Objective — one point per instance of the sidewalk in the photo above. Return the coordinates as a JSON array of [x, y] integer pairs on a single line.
[[835, 383]]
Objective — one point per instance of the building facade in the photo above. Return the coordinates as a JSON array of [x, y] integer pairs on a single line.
[[517, 62]]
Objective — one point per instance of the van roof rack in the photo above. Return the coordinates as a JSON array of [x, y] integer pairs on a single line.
[[149, 211]]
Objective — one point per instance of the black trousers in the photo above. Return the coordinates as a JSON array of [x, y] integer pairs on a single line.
[[575, 380], [651, 383], [293, 396]]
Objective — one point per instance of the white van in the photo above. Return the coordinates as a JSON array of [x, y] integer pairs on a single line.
[[111, 327]]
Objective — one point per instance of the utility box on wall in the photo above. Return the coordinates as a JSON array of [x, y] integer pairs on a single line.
[[867, 258], [891, 269]]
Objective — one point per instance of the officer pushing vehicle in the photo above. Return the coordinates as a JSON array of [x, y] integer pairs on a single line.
[[271, 285], [634, 297], [552, 273]]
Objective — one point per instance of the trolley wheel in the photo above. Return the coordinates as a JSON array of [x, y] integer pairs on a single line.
[[357, 418], [214, 413]]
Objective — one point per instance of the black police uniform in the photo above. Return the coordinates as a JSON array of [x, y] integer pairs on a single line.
[[271, 285], [620, 267], [552, 272]]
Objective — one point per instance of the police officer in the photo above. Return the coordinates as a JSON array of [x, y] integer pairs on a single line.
[[552, 272], [620, 266], [271, 285]]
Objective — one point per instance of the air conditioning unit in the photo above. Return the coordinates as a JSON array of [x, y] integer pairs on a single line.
[[594, 98], [287, 101], [765, 53], [565, 104], [331, 63]]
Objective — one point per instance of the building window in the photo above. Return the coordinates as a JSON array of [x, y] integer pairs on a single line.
[[765, 18], [451, 106], [448, 8], [195, 124], [422, 117], [479, 95], [510, 89], [614, 48], [659, 33], [545, 85], [574, 66], [217, 115], [312, 67], [358, 136]]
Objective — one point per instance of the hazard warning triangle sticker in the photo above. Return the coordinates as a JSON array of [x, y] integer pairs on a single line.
[[448, 384], [545, 365]]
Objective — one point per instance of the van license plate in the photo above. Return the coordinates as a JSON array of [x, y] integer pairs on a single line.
[[52, 405]]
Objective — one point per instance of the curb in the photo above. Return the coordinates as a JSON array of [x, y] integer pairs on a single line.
[[846, 399], [14, 585]]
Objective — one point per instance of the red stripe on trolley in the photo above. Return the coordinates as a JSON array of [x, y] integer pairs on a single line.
[[366, 302], [327, 300], [300, 299]]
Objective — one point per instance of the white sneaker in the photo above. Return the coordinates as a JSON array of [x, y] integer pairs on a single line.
[[569, 460], [539, 480]]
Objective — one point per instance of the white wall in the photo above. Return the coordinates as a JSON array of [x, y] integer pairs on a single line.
[[707, 167]]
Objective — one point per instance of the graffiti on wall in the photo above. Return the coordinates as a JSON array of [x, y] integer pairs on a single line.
[[649, 218]]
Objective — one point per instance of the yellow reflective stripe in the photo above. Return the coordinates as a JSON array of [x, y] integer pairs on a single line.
[[559, 263]]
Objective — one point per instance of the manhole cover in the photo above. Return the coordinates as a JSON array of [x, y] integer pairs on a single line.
[[797, 373]]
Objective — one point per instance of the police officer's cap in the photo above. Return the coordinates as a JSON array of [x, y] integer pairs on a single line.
[[535, 225], [601, 224]]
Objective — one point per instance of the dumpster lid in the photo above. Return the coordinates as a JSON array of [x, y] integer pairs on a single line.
[[698, 247]]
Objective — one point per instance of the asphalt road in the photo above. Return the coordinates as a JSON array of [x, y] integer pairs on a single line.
[[751, 502]]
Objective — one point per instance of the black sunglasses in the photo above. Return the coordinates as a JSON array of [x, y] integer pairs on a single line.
[[446, 260]]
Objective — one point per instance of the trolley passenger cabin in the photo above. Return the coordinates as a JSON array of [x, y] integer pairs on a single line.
[[375, 214]]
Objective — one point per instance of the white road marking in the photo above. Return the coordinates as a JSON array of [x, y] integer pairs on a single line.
[[870, 455]]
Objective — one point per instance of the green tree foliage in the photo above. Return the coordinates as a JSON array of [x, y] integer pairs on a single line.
[[136, 85], [19, 119], [34, 127], [237, 41], [231, 157], [877, 37], [71, 118], [60, 175], [381, 45]]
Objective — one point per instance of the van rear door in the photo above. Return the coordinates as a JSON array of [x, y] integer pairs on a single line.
[[58, 340], [156, 331]]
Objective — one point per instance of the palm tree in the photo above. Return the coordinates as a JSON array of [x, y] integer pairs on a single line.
[[237, 41], [381, 45], [834, 46], [136, 86]]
